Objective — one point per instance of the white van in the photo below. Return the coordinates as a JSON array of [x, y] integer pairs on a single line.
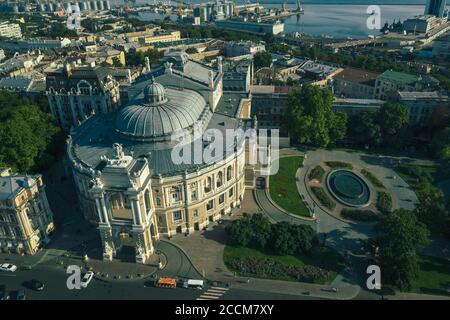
[[193, 284], [87, 279]]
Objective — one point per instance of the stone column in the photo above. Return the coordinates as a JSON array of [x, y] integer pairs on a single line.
[[99, 209], [104, 210], [136, 211]]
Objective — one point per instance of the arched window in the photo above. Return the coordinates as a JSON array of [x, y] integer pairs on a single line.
[[147, 200], [229, 173], [84, 87], [208, 184], [116, 201], [219, 179]]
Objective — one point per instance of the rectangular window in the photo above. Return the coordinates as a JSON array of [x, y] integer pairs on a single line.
[[177, 215], [231, 192], [195, 213], [222, 198], [209, 205], [194, 194]]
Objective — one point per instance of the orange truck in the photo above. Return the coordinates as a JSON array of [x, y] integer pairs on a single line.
[[166, 283]]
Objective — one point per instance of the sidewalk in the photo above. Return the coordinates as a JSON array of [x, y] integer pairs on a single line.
[[297, 288], [415, 296]]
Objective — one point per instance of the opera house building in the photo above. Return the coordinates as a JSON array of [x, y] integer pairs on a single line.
[[123, 162]]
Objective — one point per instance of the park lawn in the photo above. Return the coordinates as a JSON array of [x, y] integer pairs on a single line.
[[283, 187], [327, 258], [434, 276]]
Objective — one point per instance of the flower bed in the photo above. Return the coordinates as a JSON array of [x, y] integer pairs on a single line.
[[316, 173], [339, 164], [384, 201], [324, 199], [271, 269], [374, 180]]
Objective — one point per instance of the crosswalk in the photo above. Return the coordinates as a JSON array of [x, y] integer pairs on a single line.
[[213, 293]]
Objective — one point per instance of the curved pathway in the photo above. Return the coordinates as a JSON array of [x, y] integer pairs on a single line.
[[275, 213], [178, 264]]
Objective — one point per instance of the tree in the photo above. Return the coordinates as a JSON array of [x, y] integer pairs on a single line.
[[304, 236], [261, 230], [400, 238], [116, 62], [30, 138], [282, 241], [338, 127], [392, 119], [262, 59], [310, 118], [239, 232], [431, 209], [136, 58], [441, 144], [365, 128]]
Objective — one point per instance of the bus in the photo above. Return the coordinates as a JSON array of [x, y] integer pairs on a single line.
[[166, 283], [193, 284]]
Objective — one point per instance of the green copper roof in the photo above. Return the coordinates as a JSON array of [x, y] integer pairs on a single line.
[[395, 76]]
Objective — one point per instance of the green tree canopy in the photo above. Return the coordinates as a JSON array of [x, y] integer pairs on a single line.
[[400, 238], [310, 118], [385, 126], [136, 58], [262, 59], [30, 138], [393, 119], [441, 144], [282, 238]]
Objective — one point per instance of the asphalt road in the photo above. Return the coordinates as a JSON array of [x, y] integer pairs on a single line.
[[54, 279]]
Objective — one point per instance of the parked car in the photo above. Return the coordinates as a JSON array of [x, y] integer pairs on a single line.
[[8, 267], [87, 279], [193, 284], [35, 285], [3, 294], [18, 295]]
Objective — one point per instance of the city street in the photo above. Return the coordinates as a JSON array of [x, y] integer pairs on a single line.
[[54, 279]]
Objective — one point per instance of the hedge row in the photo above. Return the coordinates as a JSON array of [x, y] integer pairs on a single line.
[[338, 164], [384, 201], [324, 199], [271, 269], [377, 183], [316, 173], [360, 215]]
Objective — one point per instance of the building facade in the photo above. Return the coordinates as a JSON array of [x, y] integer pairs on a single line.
[[75, 92], [240, 48], [421, 24], [421, 104], [389, 82], [26, 220], [435, 8], [10, 30], [355, 83], [251, 26]]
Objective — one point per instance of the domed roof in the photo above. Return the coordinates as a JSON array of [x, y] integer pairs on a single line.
[[154, 93], [160, 111]]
